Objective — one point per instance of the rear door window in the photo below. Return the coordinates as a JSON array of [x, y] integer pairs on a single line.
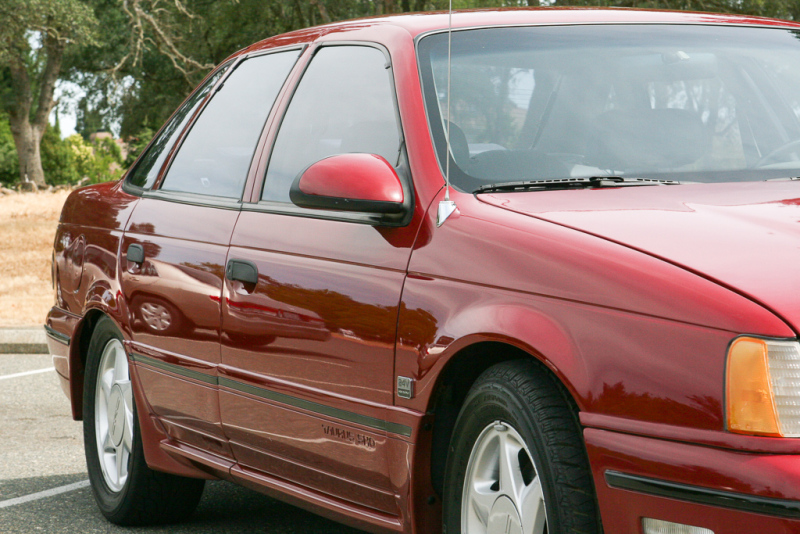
[[146, 171], [216, 154]]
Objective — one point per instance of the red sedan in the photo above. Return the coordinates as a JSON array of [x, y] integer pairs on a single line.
[[593, 327]]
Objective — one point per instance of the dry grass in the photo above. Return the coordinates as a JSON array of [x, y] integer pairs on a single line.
[[28, 224]]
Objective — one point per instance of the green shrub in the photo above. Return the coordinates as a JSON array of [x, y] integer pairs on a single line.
[[137, 143], [99, 160], [9, 163], [65, 161], [58, 159]]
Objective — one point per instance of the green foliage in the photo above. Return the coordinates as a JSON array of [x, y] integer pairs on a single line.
[[33, 37], [63, 19], [58, 160], [137, 143], [89, 120], [107, 163], [9, 163], [99, 161], [65, 161], [54, 24], [204, 33], [82, 154]]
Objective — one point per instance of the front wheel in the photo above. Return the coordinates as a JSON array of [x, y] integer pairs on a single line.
[[517, 463], [126, 490]]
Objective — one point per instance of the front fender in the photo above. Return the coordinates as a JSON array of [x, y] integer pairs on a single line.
[[613, 362], [431, 336]]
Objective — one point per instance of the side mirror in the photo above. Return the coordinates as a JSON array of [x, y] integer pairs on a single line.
[[364, 183]]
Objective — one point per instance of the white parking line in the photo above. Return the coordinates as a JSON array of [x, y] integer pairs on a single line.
[[26, 373], [44, 494]]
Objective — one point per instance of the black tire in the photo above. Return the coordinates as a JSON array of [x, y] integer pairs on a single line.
[[142, 496], [518, 403]]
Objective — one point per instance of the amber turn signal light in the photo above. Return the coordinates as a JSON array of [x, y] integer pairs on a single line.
[[750, 402]]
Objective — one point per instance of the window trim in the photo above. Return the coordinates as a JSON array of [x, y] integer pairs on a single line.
[[214, 199], [207, 200], [283, 208], [194, 199]]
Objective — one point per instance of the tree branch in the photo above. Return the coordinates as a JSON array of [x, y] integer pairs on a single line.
[[143, 22], [54, 49]]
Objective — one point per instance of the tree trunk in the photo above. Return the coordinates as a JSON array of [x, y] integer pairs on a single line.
[[27, 140], [323, 12], [28, 133]]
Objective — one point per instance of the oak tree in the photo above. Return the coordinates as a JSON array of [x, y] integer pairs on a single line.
[[33, 37]]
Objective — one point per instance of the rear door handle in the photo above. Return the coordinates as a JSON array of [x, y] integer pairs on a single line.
[[242, 270], [135, 254]]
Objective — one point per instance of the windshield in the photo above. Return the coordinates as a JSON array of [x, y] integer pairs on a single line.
[[685, 103]]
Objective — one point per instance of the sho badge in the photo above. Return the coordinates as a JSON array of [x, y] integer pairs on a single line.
[[405, 387]]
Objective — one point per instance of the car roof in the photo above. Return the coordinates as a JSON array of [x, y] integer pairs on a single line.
[[419, 23]]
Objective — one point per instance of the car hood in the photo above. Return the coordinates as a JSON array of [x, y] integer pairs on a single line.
[[745, 236]]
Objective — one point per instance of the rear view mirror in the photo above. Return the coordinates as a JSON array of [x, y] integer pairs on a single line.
[[364, 183]]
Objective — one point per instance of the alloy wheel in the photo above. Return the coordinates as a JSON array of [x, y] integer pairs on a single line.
[[502, 491], [114, 415]]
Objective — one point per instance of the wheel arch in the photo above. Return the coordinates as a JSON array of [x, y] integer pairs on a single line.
[[77, 358], [455, 381], [152, 434], [450, 332]]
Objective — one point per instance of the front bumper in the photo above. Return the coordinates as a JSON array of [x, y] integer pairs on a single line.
[[726, 491]]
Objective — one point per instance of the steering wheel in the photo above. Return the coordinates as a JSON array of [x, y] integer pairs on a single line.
[[781, 150]]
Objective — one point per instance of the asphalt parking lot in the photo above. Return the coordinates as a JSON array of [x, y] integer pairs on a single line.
[[43, 481]]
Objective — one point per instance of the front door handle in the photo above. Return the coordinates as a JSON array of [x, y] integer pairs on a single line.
[[242, 270]]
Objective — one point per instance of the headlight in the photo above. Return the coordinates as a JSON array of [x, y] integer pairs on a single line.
[[763, 387]]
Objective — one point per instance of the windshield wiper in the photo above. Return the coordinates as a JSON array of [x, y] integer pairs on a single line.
[[592, 182]]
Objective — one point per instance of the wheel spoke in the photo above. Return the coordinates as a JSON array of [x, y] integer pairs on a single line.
[[106, 382], [108, 460], [119, 464], [120, 364], [481, 499], [125, 454], [127, 395], [532, 508], [108, 445], [510, 473]]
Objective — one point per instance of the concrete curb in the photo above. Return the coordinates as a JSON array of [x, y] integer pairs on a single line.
[[23, 340]]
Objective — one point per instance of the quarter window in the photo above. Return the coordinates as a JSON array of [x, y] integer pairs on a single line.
[[145, 173], [216, 155], [344, 104]]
